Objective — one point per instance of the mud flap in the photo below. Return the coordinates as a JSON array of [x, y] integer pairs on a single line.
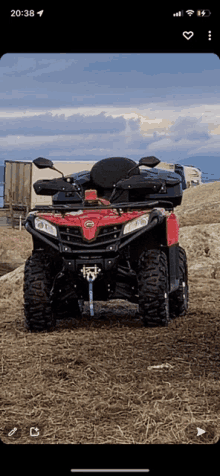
[[173, 256]]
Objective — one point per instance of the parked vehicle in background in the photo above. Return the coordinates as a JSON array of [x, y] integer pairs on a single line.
[[193, 175]]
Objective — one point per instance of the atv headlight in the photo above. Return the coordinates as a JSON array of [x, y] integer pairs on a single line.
[[44, 225], [135, 224]]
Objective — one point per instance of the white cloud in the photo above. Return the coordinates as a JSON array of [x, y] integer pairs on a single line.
[[52, 65]]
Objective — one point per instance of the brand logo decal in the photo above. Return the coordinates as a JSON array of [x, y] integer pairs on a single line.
[[89, 224]]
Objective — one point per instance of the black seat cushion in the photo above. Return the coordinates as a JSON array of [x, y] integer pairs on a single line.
[[107, 172]]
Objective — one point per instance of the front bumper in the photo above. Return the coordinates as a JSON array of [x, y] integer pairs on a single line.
[[40, 236], [106, 256], [106, 264]]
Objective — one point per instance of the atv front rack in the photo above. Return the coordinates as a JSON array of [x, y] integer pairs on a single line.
[[162, 203]]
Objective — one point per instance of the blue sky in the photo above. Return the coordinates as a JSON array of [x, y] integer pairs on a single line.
[[92, 106]]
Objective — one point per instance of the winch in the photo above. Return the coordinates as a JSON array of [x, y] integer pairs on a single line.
[[90, 273]]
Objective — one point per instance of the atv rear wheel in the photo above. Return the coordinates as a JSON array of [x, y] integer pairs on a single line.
[[152, 276], [179, 299], [37, 285]]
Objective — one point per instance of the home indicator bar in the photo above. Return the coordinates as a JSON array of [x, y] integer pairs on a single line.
[[110, 470]]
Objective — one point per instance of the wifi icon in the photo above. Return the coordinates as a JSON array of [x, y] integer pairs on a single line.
[[190, 12]]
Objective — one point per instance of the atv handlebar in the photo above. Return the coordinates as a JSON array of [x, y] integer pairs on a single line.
[[51, 187]]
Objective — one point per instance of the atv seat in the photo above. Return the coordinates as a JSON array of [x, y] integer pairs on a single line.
[[105, 173]]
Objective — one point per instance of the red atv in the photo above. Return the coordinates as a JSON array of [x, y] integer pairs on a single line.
[[110, 234]]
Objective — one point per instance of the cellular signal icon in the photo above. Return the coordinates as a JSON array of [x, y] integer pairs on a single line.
[[178, 14], [190, 12]]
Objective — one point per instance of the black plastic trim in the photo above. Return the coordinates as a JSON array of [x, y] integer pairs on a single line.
[[152, 224], [173, 263], [93, 245], [41, 237]]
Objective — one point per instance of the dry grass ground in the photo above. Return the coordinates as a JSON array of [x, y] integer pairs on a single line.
[[109, 379]]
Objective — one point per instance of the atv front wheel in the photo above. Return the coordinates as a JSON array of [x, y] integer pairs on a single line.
[[152, 276], [37, 285], [179, 299]]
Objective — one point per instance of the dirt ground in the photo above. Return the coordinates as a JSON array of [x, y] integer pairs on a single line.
[[109, 379]]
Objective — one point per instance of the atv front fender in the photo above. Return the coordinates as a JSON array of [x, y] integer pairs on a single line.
[[157, 220], [40, 237]]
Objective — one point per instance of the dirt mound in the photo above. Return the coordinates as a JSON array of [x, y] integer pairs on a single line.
[[14, 277], [15, 245], [11, 257], [202, 245], [11, 288], [200, 205]]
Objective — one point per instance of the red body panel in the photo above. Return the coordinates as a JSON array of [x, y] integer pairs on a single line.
[[172, 230], [90, 221]]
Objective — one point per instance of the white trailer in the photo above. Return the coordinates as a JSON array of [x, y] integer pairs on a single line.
[[21, 175], [193, 176]]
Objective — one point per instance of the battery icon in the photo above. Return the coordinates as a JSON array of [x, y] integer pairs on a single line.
[[203, 13]]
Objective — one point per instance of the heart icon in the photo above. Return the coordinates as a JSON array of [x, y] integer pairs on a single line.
[[188, 34]]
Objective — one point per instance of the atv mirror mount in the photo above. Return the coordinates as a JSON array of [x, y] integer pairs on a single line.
[[147, 161], [57, 171], [42, 163]]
